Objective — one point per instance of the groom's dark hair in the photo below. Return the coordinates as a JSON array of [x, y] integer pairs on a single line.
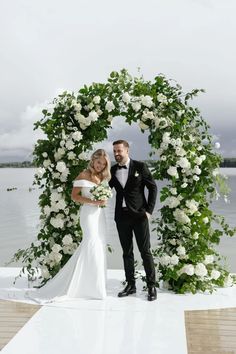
[[124, 142]]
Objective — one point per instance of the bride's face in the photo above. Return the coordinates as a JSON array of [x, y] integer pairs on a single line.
[[99, 164]]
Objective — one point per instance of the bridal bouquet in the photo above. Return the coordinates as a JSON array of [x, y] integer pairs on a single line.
[[101, 192]]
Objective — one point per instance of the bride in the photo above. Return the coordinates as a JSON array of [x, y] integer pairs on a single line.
[[84, 275]]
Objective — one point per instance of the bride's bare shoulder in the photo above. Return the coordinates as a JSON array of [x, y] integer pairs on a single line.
[[84, 175]]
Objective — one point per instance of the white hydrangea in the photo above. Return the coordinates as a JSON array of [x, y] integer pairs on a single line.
[[70, 145], [61, 166], [93, 116], [181, 216], [200, 270]]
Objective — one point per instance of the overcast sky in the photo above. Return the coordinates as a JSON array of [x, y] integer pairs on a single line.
[[50, 45]]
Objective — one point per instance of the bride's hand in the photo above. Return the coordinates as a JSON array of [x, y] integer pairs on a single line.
[[100, 202]]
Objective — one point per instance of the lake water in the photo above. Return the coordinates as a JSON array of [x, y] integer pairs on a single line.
[[19, 217]]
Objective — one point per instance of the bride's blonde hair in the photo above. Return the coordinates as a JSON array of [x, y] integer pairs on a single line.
[[97, 155]]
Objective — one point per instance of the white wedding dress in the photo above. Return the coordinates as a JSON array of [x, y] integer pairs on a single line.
[[84, 275]]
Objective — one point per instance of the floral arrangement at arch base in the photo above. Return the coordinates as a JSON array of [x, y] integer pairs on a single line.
[[182, 152]]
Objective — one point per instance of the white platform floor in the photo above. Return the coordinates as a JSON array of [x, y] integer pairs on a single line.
[[130, 325]]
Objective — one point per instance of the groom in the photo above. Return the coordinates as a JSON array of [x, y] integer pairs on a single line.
[[132, 211]]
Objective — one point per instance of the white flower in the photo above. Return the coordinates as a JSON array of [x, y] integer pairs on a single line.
[[46, 163], [61, 166], [195, 235], [215, 274], [208, 259], [228, 281], [161, 98], [45, 154], [183, 163], [195, 178], [70, 145], [163, 123], [60, 189], [200, 270], [45, 273], [40, 172], [164, 146], [181, 251], [110, 106], [172, 171], [126, 97], [143, 126], [147, 115], [163, 158], [56, 248], [197, 170], [180, 151], [61, 204], [188, 269], [57, 222], [165, 260], [55, 196], [67, 240], [174, 260], [172, 241], [166, 137], [146, 101], [77, 136], [199, 148], [172, 202], [47, 210], [184, 185], [71, 155], [97, 99], [59, 153], [173, 191], [181, 217], [192, 205], [178, 142], [77, 107], [93, 116], [217, 145], [205, 220], [136, 106]]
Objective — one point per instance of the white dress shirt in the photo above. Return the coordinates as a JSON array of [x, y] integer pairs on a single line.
[[122, 176]]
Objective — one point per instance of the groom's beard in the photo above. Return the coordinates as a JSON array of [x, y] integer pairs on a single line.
[[120, 159]]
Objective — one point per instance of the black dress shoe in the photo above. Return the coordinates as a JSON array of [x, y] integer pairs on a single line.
[[129, 289], [152, 293]]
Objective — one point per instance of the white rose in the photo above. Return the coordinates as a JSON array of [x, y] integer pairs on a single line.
[[70, 145], [83, 156], [110, 106], [217, 145], [164, 146], [197, 170], [77, 107], [184, 185], [172, 171], [163, 158], [178, 142], [163, 123], [136, 106], [143, 126], [198, 160], [192, 205], [61, 204], [61, 166], [55, 196], [200, 270], [174, 260], [173, 191], [45, 273], [46, 163], [93, 116], [67, 240], [180, 151], [40, 172], [215, 274], [77, 136], [165, 260], [146, 101], [195, 178], [208, 259], [161, 98], [205, 220], [57, 222], [56, 248], [47, 210], [181, 217], [166, 137], [97, 99], [126, 97], [181, 251], [71, 155], [183, 163], [172, 202], [45, 154], [195, 235], [188, 269]]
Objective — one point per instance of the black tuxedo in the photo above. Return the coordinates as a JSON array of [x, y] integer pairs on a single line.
[[133, 218]]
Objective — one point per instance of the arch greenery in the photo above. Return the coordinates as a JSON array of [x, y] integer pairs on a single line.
[[182, 152]]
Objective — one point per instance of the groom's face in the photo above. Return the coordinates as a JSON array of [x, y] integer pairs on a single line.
[[121, 153]]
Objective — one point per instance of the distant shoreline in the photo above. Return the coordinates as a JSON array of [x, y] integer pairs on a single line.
[[227, 162]]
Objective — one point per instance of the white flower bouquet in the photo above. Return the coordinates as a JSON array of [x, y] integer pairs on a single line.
[[101, 192]]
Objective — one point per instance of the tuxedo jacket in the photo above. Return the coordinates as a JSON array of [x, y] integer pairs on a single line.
[[139, 177]]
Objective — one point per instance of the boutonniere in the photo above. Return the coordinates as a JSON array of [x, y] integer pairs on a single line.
[[136, 174]]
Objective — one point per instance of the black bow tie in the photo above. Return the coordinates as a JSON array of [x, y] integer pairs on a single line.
[[123, 166]]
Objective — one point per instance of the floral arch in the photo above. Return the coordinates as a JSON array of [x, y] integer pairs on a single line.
[[181, 151]]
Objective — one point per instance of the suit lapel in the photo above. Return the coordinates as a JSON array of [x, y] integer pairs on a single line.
[[130, 172]]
